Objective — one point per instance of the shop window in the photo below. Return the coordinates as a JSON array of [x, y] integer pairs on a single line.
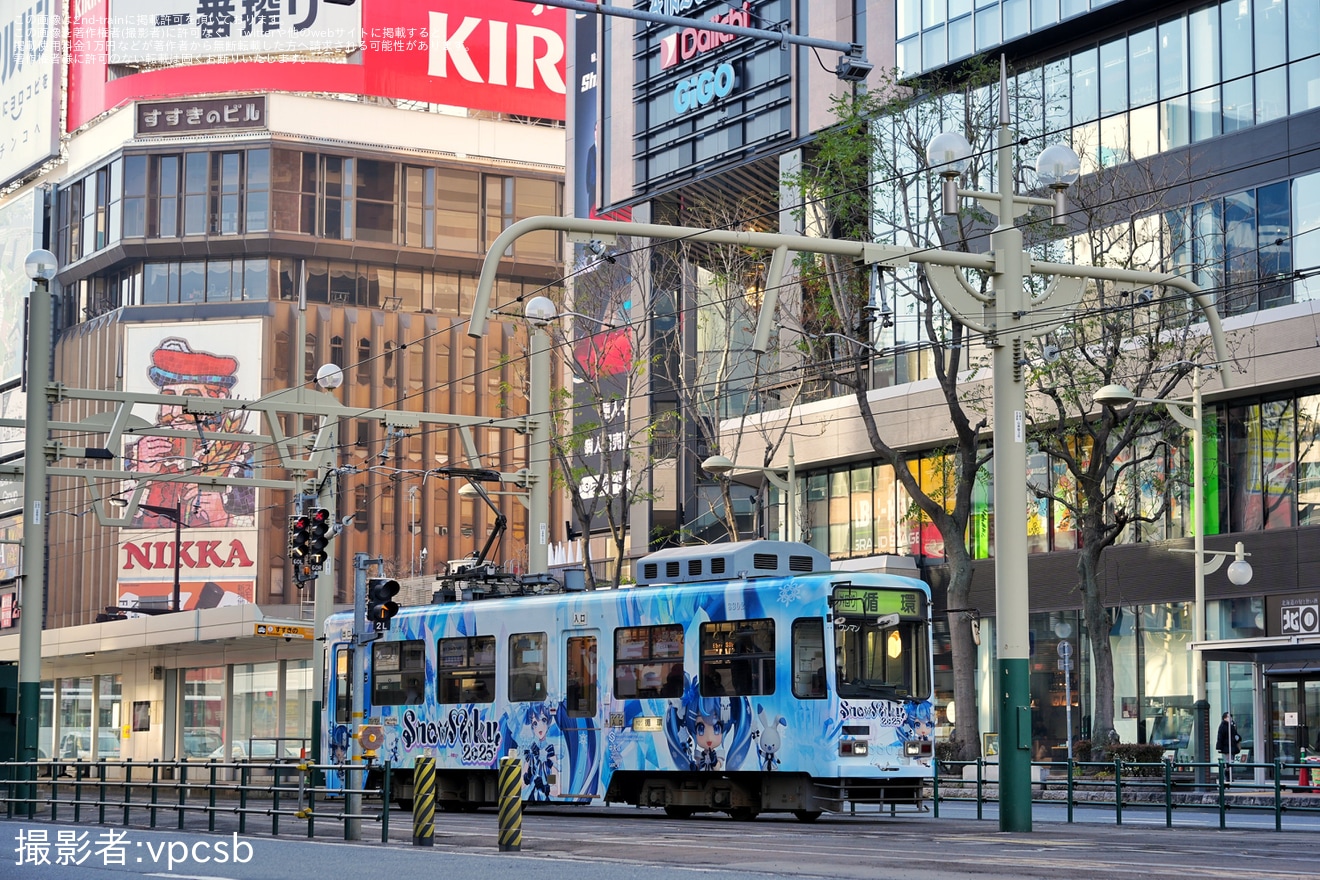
[[737, 658], [648, 662], [256, 712], [398, 673], [465, 670], [527, 667], [110, 717], [203, 711]]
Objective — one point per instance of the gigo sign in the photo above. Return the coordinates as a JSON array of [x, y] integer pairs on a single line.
[[700, 90]]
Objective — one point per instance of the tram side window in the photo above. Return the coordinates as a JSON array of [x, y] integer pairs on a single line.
[[465, 670], [738, 658], [648, 661], [398, 673], [343, 685], [580, 677], [809, 659], [526, 667]]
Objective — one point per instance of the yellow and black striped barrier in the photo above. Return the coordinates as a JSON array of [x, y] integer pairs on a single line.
[[510, 804], [424, 802]]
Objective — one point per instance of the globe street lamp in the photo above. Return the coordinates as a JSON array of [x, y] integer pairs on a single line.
[[41, 267], [721, 465], [1191, 415]]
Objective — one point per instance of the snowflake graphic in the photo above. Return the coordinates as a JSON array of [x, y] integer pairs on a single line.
[[790, 593]]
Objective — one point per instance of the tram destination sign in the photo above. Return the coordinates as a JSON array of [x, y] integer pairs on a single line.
[[868, 601]]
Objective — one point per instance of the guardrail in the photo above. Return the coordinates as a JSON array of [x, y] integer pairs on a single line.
[[1131, 785], [127, 791]]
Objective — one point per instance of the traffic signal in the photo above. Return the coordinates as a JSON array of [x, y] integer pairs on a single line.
[[319, 537], [300, 537], [380, 600]]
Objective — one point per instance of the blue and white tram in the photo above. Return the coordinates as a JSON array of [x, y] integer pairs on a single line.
[[739, 678]]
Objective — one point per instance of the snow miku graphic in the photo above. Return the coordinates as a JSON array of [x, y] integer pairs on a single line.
[[697, 727], [918, 722], [538, 756], [560, 754]]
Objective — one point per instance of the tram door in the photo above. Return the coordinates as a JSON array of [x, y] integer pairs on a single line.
[[1295, 720], [582, 706]]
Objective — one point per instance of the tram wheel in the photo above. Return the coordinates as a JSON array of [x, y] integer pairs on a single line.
[[744, 814], [675, 812], [807, 815]]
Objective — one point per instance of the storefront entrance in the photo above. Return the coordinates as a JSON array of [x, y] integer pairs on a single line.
[[1294, 703]]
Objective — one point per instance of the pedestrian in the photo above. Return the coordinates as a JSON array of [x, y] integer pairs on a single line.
[[1228, 742]]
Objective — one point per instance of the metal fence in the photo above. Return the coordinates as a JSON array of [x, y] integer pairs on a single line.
[[1125, 785], [289, 794]]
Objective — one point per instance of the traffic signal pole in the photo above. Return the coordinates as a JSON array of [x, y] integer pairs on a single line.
[[357, 687]]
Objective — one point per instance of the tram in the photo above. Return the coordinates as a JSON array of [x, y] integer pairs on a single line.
[[739, 678]]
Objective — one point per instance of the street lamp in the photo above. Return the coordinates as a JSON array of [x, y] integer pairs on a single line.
[[1006, 318], [720, 466], [41, 267], [539, 312], [1191, 415], [174, 514]]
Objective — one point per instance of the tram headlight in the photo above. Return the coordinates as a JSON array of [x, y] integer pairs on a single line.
[[912, 748], [853, 747]]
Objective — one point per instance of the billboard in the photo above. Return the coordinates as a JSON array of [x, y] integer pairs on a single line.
[[29, 85], [217, 567], [703, 99], [20, 228], [185, 31], [218, 533], [503, 56]]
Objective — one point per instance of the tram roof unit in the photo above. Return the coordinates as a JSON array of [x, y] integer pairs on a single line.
[[700, 563]]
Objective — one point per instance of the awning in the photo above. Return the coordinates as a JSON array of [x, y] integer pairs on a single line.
[[1293, 650]]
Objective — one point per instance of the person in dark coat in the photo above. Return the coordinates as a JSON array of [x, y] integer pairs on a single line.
[[1228, 743]]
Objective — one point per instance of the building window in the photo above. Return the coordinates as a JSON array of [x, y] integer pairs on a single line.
[[374, 197], [226, 193], [163, 205], [135, 196], [196, 186], [419, 207], [257, 197], [456, 212]]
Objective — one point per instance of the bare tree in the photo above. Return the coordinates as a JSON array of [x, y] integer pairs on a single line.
[[1145, 340], [602, 440], [865, 179], [722, 391]]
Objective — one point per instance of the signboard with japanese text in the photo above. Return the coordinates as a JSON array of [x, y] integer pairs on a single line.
[[29, 85], [502, 56], [173, 31], [156, 118]]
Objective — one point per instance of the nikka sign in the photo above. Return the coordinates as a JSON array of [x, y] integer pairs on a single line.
[[148, 554]]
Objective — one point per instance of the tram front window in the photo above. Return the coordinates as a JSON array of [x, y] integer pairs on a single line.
[[879, 655]]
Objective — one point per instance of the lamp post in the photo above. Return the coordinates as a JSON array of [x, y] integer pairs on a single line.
[[174, 513], [720, 465], [40, 266], [1191, 415], [1006, 319], [539, 311]]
